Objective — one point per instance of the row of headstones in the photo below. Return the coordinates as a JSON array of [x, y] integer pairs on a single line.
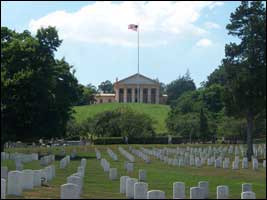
[[126, 154], [47, 160], [259, 150], [221, 150], [140, 154], [190, 160], [19, 156], [64, 162], [18, 181], [73, 188], [112, 154], [98, 154], [134, 189]]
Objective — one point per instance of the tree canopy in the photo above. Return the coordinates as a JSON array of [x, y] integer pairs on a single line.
[[37, 90]]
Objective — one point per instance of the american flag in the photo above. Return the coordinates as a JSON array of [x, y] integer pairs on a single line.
[[133, 27]]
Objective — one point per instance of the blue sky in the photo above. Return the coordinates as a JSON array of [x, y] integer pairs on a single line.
[[174, 36]]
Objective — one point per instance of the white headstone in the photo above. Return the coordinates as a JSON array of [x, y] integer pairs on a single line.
[[123, 184], [130, 167], [246, 187], [178, 190], [142, 175], [248, 195], [69, 191], [75, 180], [37, 178], [113, 174], [140, 190], [245, 163], [130, 187], [205, 187], [196, 193], [155, 194], [49, 173], [3, 188], [14, 183], [222, 192], [255, 164], [4, 172], [27, 179]]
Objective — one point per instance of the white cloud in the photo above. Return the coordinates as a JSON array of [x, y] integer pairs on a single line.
[[107, 22], [204, 43], [211, 25], [218, 3]]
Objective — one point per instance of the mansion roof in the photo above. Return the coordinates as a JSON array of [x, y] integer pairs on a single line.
[[137, 79]]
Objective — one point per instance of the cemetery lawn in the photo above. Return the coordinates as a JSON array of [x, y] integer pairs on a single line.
[[157, 112], [159, 175]]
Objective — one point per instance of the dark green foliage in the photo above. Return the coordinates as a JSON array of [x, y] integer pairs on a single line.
[[37, 91], [203, 126], [138, 140], [109, 140], [217, 77], [116, 123], [87, 95], [177, 87], [106, 87]]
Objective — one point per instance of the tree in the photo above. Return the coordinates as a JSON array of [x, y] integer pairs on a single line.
[[245, 65], [37, 90], [203, 126], [216, 77], [106, 87], [177, 87]]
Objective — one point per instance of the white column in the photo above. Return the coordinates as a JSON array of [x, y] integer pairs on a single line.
[[133, 94], [125, 95], [148, 95], [141, 95], [157, 95], [117, 94]]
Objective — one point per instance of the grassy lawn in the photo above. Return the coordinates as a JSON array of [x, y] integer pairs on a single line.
[[159, 175], [157, 112]]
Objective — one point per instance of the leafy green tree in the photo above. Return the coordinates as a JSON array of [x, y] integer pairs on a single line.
[[245, 65], [87, 95], [37, 90], [120, 122], [203, 126], [177, 87], [216, 77], [106, 87]]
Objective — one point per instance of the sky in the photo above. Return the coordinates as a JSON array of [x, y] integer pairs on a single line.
[[174, 36]]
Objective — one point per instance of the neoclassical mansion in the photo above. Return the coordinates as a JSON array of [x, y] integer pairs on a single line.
[[135, 88]]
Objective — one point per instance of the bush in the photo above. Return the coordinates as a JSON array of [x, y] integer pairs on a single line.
[[121, 122]]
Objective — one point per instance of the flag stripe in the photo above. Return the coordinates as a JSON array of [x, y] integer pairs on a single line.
[[133, 27]]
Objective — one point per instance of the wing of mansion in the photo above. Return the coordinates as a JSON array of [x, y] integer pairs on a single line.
[[134, 89]]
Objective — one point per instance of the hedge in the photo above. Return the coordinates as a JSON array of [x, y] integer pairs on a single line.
[[139, 140], [109, 140]]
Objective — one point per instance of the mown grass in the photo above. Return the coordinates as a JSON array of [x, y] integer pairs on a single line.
[[159, 175], [157, 112]]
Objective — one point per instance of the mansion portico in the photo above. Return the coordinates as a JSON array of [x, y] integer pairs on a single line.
[[135, 88]]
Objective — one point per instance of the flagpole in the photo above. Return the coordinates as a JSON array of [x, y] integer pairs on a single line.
[[138, 63]]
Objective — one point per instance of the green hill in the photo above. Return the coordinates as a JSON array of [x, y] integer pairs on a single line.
[[157, 112]]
